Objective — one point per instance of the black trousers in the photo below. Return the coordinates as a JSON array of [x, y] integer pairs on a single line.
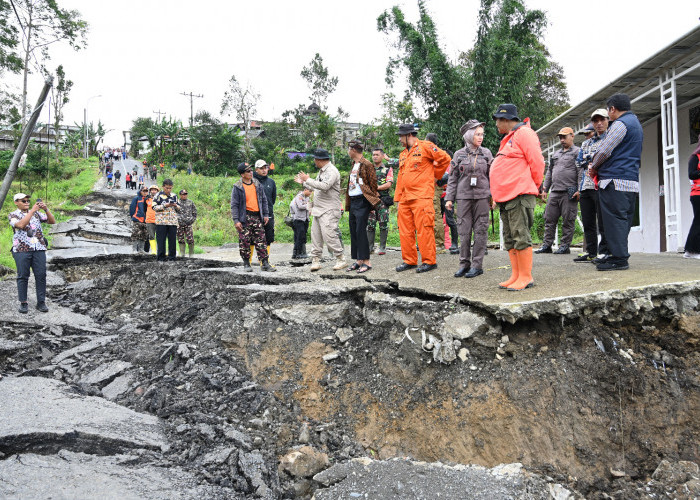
[[592, 219], [359, 213], [270, 230], [301, 228], [168, 233], [692, 244], [617, 208], [36, 261]]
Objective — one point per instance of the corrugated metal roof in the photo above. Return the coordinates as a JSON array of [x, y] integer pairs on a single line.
[[641, 84]]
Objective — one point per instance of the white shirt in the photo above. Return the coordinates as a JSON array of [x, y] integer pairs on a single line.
[[354, 188]]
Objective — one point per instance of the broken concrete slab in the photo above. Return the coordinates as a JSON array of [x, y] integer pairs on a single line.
[[117, 387], [77, 475], [105, 372], [45, 415], [398, 478], [85, 347], [9, 346]]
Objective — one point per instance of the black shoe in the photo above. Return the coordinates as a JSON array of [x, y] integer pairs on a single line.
[[424, 268], [246, 266], [41, 306], [600, 260], [403, 267], [23, 307], [474, 272], [544, 249], [454, 249], [613, 265], [462, 271], [564, 249], [265, 266], [585, 258], [302, 256]]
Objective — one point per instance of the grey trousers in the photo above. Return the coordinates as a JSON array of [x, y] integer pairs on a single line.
[[36, 261], [323, 231], [559, 205], [472, 215]]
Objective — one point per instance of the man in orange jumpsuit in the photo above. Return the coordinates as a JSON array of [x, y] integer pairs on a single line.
[[515, 180], [419, 165]]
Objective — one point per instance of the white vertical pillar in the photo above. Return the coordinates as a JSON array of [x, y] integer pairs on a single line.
[[669, 149]]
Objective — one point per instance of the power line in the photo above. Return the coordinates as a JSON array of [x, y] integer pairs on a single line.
[[159, 112], [191, 96]]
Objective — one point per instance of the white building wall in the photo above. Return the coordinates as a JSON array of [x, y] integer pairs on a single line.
[[646, 236]]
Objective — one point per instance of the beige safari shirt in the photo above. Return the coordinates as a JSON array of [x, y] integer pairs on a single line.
[[326, 188]]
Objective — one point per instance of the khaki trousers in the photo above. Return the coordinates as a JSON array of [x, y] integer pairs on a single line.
[[439, 224], [324, 231]]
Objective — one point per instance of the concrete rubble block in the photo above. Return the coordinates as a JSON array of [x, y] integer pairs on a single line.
[[10, 346], [117, 387], [252, 466], [85, 347], [304, 461], [400, 478], [314, 313], [676, 472], [105, 372], [77, 475], [386, 310], [44, 415], [218, 456], [463, 325], [239, 439], [344, 334]]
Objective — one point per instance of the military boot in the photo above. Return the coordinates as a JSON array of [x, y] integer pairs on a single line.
[[371, 235], [246, 266], [383, 233], [182, 249], [265, 266], [190, 248]]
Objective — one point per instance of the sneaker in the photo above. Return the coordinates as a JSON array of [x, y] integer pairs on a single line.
[[689, 255], [382, 251], [41, 306], [601, 259], [613, 265], [544, 249], [23, 307], [584, 257]]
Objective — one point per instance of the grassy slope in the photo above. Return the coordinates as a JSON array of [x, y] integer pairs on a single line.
[[78, 177]]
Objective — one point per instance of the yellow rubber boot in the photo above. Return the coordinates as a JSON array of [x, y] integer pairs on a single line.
[[252, 252], [268, 258], [513, 254], [153, 247]]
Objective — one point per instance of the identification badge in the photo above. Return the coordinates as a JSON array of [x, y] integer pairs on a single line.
[[472, 180]]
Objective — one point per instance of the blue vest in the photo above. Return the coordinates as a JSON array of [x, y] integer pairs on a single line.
[[625, 159]]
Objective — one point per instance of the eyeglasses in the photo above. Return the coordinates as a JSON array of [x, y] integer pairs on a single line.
[[183, 194], [26, 200]]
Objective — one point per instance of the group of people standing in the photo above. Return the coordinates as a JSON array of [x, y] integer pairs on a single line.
[[159, 218]]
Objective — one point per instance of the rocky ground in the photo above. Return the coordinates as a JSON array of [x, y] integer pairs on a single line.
[[196, 379]]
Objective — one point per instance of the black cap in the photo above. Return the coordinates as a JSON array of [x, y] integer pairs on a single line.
[[243, 166], [406, 129], [321, 154], [507, 111]]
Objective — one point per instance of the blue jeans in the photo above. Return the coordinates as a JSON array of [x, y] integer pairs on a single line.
[[36, 261]]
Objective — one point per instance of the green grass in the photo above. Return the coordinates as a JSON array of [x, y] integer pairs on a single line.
[[72, 179]]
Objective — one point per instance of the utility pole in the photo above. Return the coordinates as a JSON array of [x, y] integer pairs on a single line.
[[191, 96], [159, 112]]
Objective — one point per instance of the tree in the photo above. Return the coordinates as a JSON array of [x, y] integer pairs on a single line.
[[44, 23], [439, 85], [319, 80], [60, 98], [508, 63], [9, 40], [142, 127], [242, 101]]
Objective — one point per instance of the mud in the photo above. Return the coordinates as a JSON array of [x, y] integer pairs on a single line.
[[227, 358]]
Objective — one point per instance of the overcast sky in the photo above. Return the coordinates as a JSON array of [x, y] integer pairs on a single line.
[[142, 55]]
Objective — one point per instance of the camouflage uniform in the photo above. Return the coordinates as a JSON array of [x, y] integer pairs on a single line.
[[384, 174], [185, 219], [253, 233]]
